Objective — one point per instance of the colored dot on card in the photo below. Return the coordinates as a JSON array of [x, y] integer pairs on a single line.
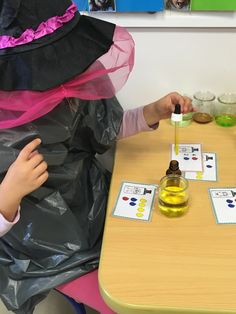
[[199, 175], [139, 215], [132, 204], [141, 204], [140, 209], [125, 198], [229, 201], [194, 158], [208, 166], [142, 200], [231, 205], [133, 199], [186, 158]]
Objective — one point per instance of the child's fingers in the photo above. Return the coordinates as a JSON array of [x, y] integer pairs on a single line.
[[35, 152], [42, 178], [184, 101], [175, 99], [40, 169], [188, 107], [28, 149], [35, 160]]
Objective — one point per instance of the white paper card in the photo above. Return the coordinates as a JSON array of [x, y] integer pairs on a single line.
[[224, 204], [209, 172], [189, 157], [135, 201]]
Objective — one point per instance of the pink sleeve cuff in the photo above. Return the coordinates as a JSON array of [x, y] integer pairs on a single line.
[[6, 225], [133, 122]]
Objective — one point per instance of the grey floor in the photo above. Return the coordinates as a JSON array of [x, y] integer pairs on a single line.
[[53, 304]]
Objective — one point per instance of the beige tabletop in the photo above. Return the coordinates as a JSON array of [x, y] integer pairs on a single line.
[[170, 265]]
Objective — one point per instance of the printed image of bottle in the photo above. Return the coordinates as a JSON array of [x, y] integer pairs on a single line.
[[173, 168], [139, 190]]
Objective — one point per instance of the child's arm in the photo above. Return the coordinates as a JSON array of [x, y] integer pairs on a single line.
[[26, 174], [147, 118]]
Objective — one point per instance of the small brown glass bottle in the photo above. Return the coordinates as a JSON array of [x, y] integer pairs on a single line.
[[173, 168]]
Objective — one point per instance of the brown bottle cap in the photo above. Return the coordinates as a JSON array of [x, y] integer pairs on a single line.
[[174, 165]]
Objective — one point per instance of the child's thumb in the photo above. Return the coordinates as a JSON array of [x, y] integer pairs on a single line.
[[26, 152]]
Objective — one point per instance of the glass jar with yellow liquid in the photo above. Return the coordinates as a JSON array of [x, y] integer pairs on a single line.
[[173, 195], [226, 110]]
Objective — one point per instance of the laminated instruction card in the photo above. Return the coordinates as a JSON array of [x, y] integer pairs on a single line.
[[224, 204], [135, 201], [209, 172], [189, 157]]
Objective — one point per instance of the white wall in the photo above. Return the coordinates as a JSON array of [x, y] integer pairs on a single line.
[[181, 59]]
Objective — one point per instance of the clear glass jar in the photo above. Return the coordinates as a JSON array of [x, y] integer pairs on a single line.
[[225, 114], [204, 101], [173, 195]]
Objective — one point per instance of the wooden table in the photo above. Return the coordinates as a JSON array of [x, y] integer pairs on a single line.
[[170, 265]]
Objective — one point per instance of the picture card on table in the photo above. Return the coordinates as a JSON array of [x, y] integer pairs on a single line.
[[209, 172], [135, 201], [189, 157], [224, 204]]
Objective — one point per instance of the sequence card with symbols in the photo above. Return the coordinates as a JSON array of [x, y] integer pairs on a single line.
[[209, 172], [189, 157], [224, 204], [135, 201]]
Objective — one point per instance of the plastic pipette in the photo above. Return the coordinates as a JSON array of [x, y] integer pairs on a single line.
[[177, 117]]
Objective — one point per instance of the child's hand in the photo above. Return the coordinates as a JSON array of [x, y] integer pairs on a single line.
[[26, 174], [163, 108]]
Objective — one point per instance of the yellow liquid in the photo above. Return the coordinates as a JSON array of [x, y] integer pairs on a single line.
[[173, 201], [176, 139]]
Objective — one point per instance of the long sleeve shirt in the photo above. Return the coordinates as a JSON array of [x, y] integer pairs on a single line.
[[6, 225], [133, 122]]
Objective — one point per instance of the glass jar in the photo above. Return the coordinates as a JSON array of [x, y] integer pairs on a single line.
[[173, 195], [204, 101], [226, 110]]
